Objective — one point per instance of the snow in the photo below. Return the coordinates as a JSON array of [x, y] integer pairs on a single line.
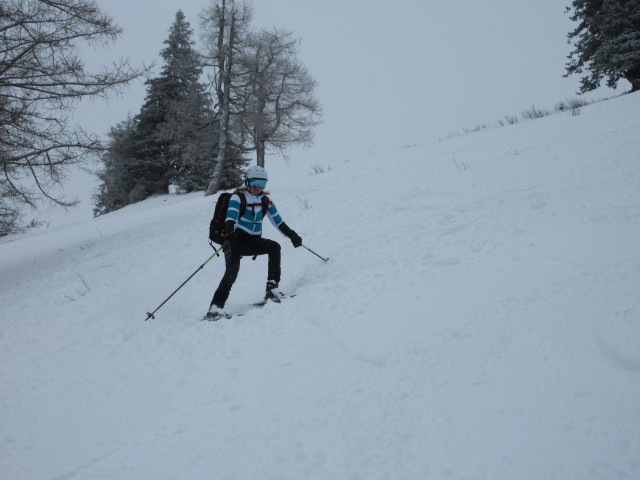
[[479, 318]]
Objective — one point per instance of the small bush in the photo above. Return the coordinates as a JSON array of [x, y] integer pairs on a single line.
[[478, 127], [577, 102], [511, 119], [460, 166], [317, 169], [533, 113], [80, 291], [561, 106], [574, 105], [304, 203]]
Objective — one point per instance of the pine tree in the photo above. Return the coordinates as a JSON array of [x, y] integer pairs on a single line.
[[607, 42], [117, 183], [173, 139], [176, 123], [190, 130]]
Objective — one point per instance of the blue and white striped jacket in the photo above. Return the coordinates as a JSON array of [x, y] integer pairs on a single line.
[[251, 220]]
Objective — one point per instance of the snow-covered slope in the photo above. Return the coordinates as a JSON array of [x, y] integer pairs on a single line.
[[479, 319]]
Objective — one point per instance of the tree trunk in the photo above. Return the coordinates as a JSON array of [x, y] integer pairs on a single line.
[[225, 61], [633, 77], [214, 184], [260, 149]]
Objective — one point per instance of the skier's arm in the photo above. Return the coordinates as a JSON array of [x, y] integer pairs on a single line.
[[274, 216], [233, 210], [277, 221], [233, 213], [293, 236]]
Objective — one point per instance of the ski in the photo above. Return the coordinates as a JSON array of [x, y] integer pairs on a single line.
[[207, 318], [261, 303]]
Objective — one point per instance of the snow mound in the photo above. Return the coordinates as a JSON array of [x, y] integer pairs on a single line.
[[479, 319]]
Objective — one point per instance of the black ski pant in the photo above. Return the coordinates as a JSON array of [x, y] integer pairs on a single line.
[[246, 245]]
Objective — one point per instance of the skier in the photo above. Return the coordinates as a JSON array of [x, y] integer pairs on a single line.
[[243, 237]]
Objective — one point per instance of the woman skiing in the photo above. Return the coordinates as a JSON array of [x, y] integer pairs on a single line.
[[243, 237]]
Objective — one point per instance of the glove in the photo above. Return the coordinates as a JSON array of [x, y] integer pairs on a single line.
[[293, 236], [229, 232], [295, 239]]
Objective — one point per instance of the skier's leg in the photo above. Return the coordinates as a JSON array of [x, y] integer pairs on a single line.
[[265, 246], [273, 251], [232, 257]]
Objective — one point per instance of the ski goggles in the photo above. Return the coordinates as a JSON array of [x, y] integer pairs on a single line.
[[257, 183]]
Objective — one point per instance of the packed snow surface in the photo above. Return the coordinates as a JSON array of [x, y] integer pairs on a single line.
[[479, 318]]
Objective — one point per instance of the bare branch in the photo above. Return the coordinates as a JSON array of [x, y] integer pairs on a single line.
[[41, 79]]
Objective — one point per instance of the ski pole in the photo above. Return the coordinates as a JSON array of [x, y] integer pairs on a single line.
[[150, 314], [323, 259]]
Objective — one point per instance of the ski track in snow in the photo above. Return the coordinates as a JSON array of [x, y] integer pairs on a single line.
[[479, 319]]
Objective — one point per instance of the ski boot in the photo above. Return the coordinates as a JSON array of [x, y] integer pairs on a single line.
[[273, 293], [216, 313]]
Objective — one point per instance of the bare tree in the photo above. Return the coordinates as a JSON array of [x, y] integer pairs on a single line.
[[41, 79], [279, 106], [265, 96], [225, 27]]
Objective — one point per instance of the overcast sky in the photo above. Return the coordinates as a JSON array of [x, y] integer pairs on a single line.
[[390, 73]]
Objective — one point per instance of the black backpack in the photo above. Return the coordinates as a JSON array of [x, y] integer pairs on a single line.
[[216, 227]]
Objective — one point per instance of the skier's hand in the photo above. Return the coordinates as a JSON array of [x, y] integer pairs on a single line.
[[229, 232], [295, 239], [293, 236]]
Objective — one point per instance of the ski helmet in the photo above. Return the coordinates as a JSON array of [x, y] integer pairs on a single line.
[[257, 173]]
